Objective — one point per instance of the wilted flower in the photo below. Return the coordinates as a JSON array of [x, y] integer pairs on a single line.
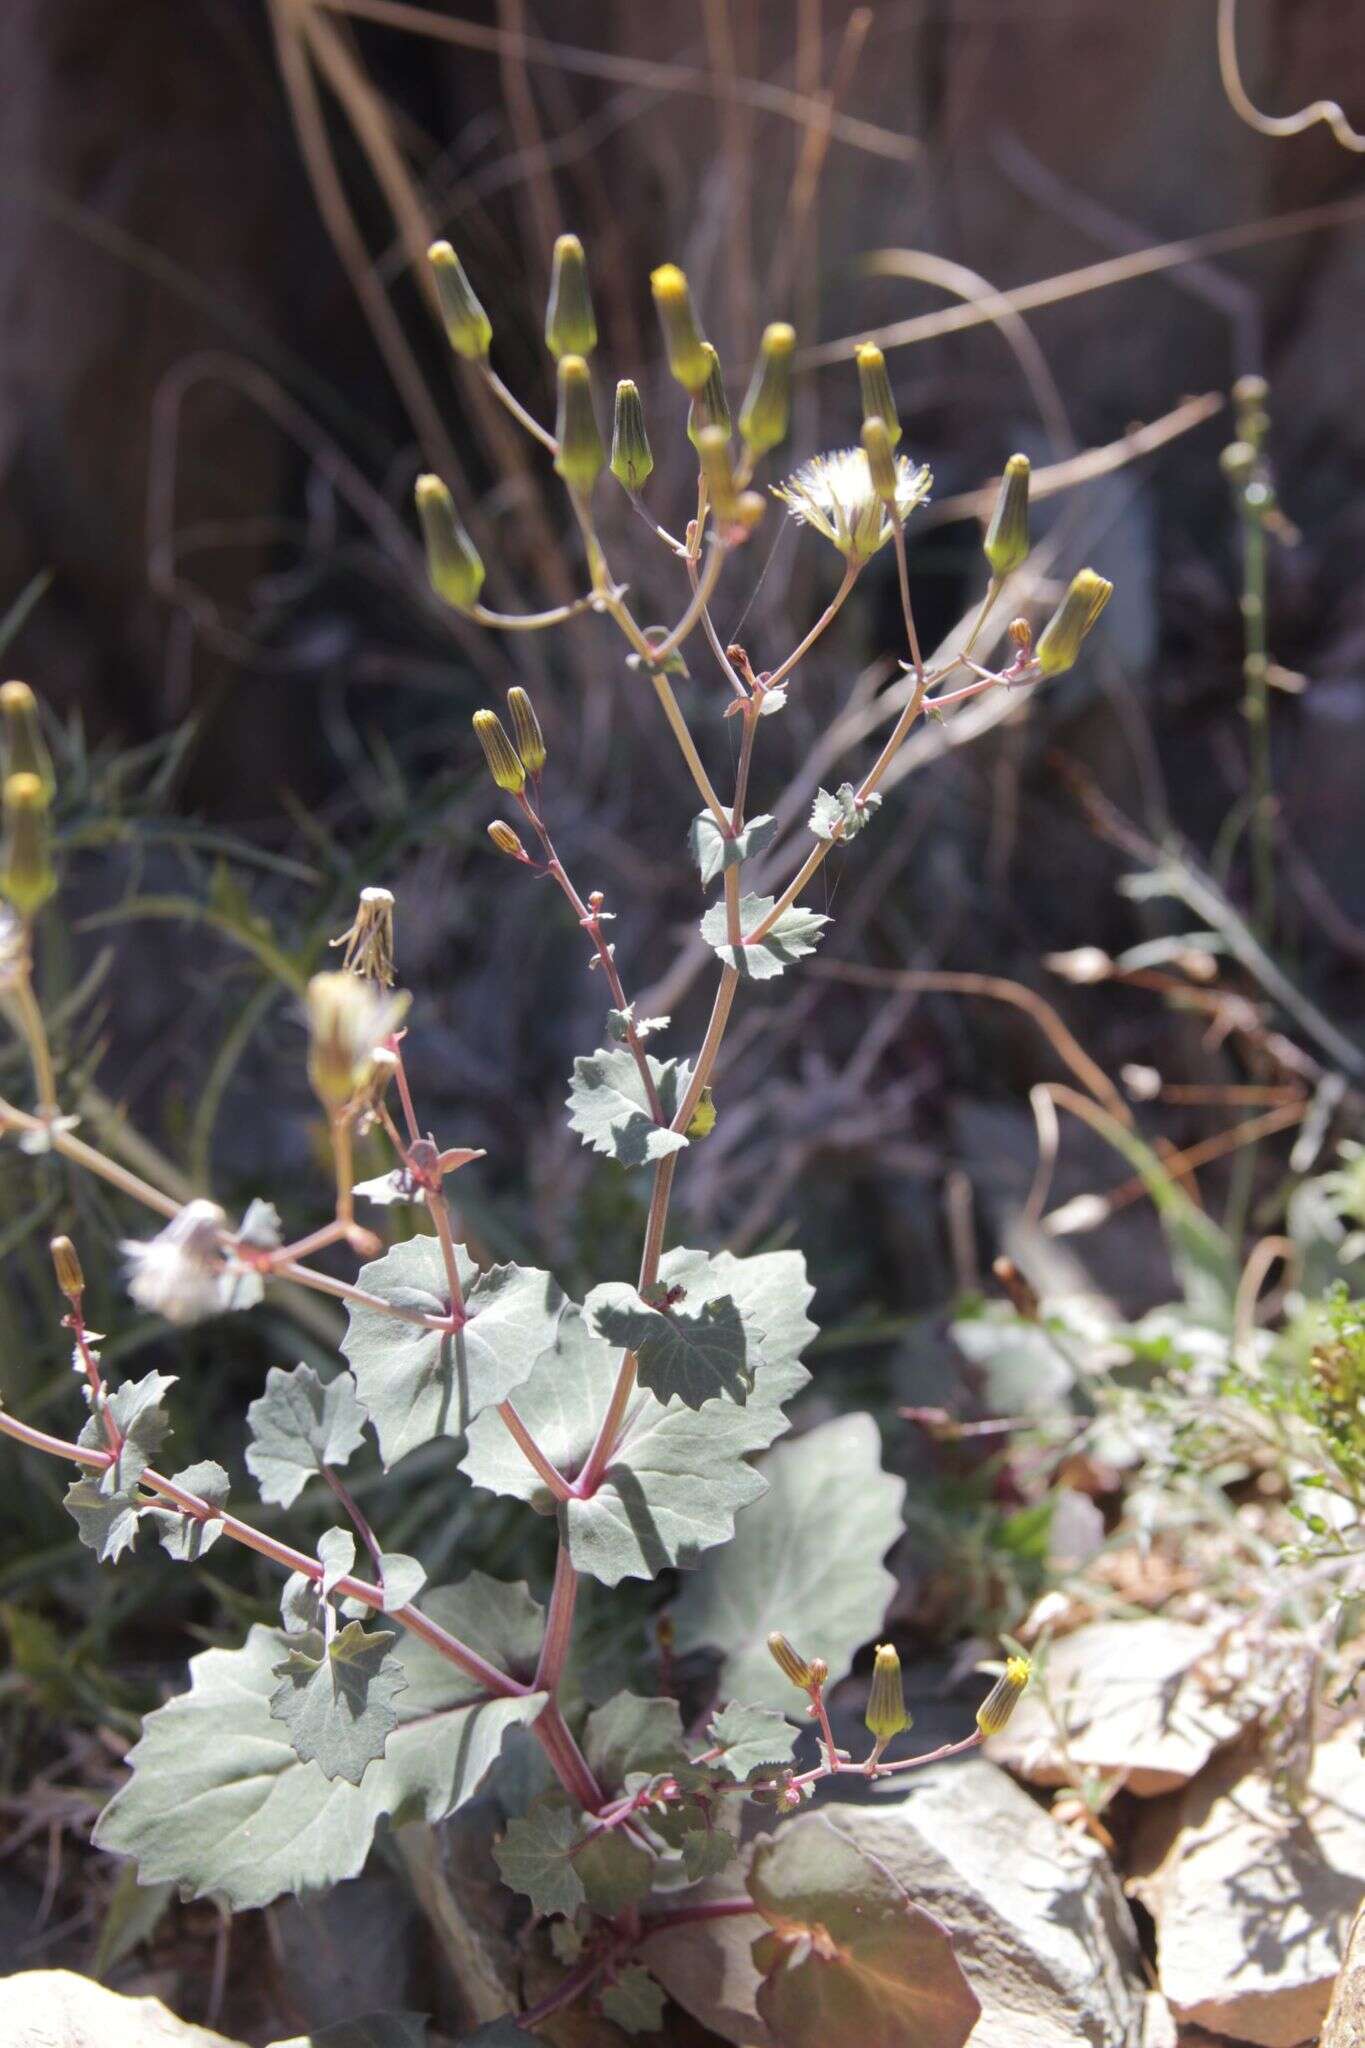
[[347, 1019], [181, 1273], [834, 494]]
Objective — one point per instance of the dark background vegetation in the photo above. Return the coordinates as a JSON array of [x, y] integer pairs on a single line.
[[208, 450]]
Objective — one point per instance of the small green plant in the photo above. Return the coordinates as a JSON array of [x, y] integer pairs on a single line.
[[631, 1418]]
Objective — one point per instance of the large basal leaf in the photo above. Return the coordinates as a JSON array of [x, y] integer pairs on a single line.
[[609, 1108], [688, 1351], [336, 1698], [298, 1425], [806, 1560], [678, 1477], [714, 853], [795, 934], [418, 1383], [850, 1958], [219, 1803]]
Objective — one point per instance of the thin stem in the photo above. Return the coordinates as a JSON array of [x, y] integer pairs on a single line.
[[827, 615], [342, 1154], [678, 727], [1256, 708], [590, 1478], [362, 1527], [903, 576], [570, 1765], [517, 409], [342, 1290], [570, 1987], [703, 588], [34, 1032], [554, 1649], [533, 1454], [75, 1149], [439, 1211], [703, 1909], [534, 622], [826, 1732]]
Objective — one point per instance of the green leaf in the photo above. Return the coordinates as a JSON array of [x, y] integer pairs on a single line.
[[336, 1554], [753, 1738], [840, 816], [806, 1559], [418, 1383], [143, 1424], [610, 1111], [535, 1857], [706, 1852], [105, 1522], [795, 934], [219, 1803], [634, 2001], [629, 1734], [850, 1958], [678, 1476], [403, 1579], [690, 1351], [186, 1537], [615, 1871], [714, 853], [337, 1698], [297, 1426]]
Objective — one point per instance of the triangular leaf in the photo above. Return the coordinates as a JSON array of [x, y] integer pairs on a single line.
[[753, 1739], [143, 1424], [806, 1560], [336, 1699], [690, 1350], [714, 853], [840, 815], [610, 1110], [297, 1426], [219, 1803], [850, 1958], [187, 1537], [795, 934], [419, 1383], [678, 1477], [105, 1522], [535, 1856], [634, 2001]]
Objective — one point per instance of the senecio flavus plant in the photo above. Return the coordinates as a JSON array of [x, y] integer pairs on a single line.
[[631, 1418]]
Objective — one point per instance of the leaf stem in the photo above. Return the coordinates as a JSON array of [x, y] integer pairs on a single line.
[[34, 1031], [517, 409], [798, 653], [554, 1649]]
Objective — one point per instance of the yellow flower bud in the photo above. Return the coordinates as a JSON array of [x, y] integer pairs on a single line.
[[1021, 634], [703, 1116], [881, 462], [580, 456], [468, 326], [886, 1711], [67, 1266], [1006, 543], [506, 840], [819, 1673], [710, 407], [875, 385], [713, 451], [789, 1661], [28, 877], [766, 411], [25, 748], [631, 459], [570, 324], [682, 337], [1004, 1696], [453, 562], [530, 740], [504, 763], [1060, 640]]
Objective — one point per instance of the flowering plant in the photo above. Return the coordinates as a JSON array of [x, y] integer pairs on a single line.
[[633, 1419]]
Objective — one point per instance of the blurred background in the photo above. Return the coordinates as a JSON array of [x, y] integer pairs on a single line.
[[220, 374]]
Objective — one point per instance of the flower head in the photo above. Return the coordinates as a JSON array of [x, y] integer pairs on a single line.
[[1004, 1696], [180, 1273], [347, 1020], [834, 494]]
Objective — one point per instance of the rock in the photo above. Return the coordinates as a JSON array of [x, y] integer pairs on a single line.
[[1344, 2026], [1253, 1898], [1158, 2023], [57, 2009], [1149, 1701], [1039, 1924]]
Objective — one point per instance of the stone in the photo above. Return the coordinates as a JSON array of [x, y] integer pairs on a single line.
[[58, 2009], [1344, 2026], [1149, 1701], [1253, 1897], [1039, 1923]]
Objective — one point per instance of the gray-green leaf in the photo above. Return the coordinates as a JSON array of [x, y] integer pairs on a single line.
[[219, 1803], [337, 1699], [839, 815], [806, 1559], [297, 1426], [795, 934], [610, 1111], [634, 2002], [187, 1537], [419, 1383], [105, 1522], [753, 1739], [714, 853], [690, 1351], [535, 1856], [615, 1871], [403, 1579], [628, 1734], [143, 1424]]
